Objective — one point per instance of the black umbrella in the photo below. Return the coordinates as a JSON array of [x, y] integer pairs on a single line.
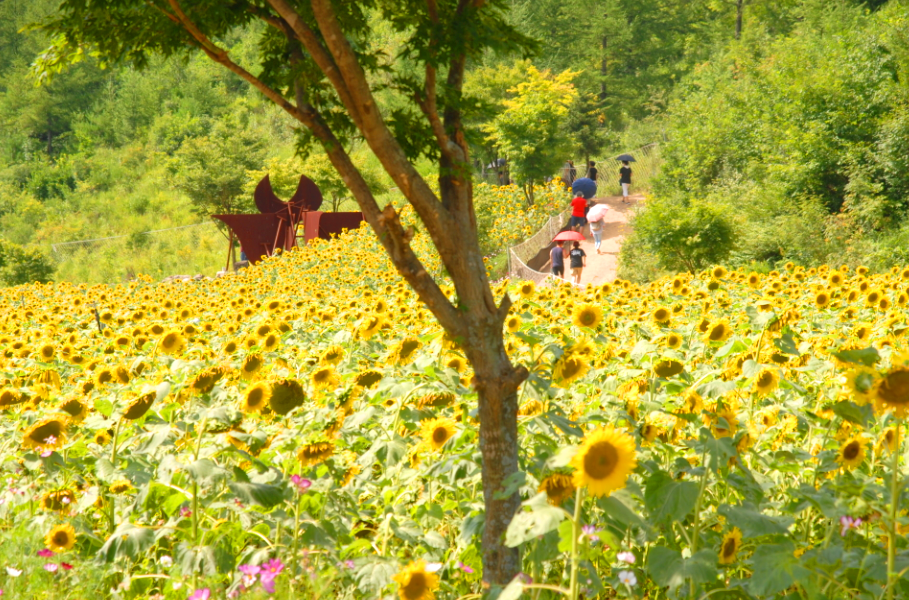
[[626, 157]]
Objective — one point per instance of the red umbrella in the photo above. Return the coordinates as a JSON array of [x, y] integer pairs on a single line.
[[569, 236]]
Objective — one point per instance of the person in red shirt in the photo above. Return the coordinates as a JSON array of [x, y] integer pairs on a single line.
[[578, 213]]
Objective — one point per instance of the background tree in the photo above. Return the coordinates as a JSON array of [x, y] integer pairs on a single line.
[[530, 132], [318, 64]]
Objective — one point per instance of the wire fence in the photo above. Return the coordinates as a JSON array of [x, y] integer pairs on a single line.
[[525, 259], [529, 251], [189, 249]]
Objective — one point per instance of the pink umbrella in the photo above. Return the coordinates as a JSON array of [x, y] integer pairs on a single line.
[[597, 212], [568, 236]]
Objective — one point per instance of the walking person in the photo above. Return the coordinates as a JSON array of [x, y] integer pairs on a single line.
[[578, 260], [596, 230], [592, 171], [557, 260], [625, 180], [578, 212]]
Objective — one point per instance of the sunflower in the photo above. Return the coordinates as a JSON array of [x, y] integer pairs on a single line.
[[717, 331], [668, 368], [46, 352], [416, 583], [404, 351], [604, 461], [172, 343], [102, 437], [61, 538], [558, 487], [76, 409], [512, 323], [436, 432], [887, 441], [270, 342], [852, 452], [661, 316], [587, 315], [368, 379], [251, 365], [766, 382], [370, 325], [673, 341], [732, 542], [313, 454], [457, 363], [822, 299], [725, 414], [59, 500], [568, 369], [204, 382], [255, 398], [138, 407], [332, 355], [527, 289], [861, 382], [436, 400], [121, 486], [286, 395], [891, 392], [325, 378], [39, 434], [104, 376]]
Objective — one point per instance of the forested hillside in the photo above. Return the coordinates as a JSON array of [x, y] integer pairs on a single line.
[[792, 109]]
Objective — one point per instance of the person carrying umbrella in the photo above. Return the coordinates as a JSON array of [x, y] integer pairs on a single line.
[[595, 219], [625, 176]]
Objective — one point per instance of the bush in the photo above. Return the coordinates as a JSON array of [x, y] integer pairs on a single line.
[[19, 265], [682, 235]]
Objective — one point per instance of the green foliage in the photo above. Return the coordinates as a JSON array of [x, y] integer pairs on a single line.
[[19, 265], [530, 132], [682, 235]]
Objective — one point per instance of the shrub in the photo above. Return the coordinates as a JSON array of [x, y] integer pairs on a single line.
[[19, 265]]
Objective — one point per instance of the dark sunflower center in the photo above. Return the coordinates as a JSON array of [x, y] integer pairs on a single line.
[[729, 548], [716, 333], [61, 538], [255, 397], [415, 587], [439, 435], [588, 317], [852, 450], [601, 460], [765, 379], [895, 388], [408, 348], [571, 368]]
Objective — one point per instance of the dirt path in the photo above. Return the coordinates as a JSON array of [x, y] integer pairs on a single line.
[[602, 267]]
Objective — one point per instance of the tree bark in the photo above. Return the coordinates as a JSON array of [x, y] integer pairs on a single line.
[[740, 9]]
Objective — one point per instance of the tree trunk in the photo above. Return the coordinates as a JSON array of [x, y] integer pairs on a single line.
[[740, 8], [603, 66], [498, 409]]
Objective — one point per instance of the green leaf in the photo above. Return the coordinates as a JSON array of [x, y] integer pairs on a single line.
[[566, 536], [775, 569], [668, 500], [527, 525], [374, 576], [759, 320], [854, 413], [513, 590], [435, 540], [262, 494], [127, 541], [786, 345], [753, 522], [867, 356], [667, 567]]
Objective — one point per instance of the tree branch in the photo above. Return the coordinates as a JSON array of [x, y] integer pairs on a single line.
[[386, 224], [377, 135]]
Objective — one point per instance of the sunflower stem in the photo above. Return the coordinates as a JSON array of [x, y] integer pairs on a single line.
[[696, 526], [573, 589], [894, 505]]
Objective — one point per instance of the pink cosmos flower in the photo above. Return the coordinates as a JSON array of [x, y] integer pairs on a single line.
[[45, 553], [301, 484], [200, 594], [51, 567]]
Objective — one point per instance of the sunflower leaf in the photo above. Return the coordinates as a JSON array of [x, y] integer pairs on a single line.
[[374, 576], [867, 356], [528, 525], [667, 567], [752, 521], [775, 569], [667, 499]]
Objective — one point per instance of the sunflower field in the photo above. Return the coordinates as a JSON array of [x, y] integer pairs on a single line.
[[304, 429]]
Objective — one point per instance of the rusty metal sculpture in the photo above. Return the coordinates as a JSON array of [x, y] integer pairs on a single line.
[[261, 235]]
